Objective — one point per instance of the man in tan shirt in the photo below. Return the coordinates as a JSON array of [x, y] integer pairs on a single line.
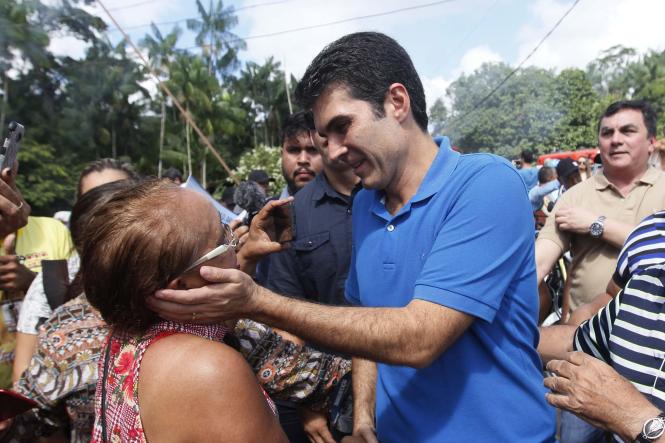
[[594, 218]]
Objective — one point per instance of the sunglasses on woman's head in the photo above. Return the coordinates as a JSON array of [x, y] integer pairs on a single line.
[[227, 241]]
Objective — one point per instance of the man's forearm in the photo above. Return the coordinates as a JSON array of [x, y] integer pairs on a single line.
[[616, 232], [631, 420], [413, 335], [364, 392], [547, 253]]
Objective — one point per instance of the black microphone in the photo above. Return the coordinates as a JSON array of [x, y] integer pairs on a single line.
[[251, 197]]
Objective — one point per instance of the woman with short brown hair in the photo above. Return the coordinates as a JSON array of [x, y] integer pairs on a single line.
[[190, 386]]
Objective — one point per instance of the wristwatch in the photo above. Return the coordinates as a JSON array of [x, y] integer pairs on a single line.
[[652, 429], [597, 227]]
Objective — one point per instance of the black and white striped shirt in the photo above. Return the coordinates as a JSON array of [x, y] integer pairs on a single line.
[[629, 333], [644, 247]]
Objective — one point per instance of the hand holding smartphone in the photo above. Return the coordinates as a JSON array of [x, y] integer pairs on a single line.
[[10, 147]]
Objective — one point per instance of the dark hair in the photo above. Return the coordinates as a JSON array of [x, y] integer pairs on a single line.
[[366, 63], [104, 164], [296, 124], [85, 207], [545, 174], [172, 174], [527, 156], [648, 114], [133, 246]]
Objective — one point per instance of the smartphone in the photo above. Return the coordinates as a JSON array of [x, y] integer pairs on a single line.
[[283, 223], [12, 404], [10, 147]]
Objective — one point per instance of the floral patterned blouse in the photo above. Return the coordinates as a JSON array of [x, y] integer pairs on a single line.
[[119, 392]]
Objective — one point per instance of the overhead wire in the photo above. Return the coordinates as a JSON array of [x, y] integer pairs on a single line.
[[133, 5], [182, 20], [514, 71], [168, 92], [335, 22]]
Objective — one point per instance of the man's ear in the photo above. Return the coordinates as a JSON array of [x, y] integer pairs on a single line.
[[177, 283], [398, 101]]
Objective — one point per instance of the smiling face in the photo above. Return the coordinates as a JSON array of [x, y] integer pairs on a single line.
[[624, 143], [353, 134]]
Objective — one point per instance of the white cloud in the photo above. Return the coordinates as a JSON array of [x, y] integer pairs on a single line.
[[295, 50], [68, 46], [593, 26], [435, 87], [475, 57]]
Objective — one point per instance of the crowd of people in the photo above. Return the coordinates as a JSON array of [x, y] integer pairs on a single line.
[[392, 291]]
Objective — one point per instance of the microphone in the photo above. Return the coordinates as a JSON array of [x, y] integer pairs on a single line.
[[250, 197]]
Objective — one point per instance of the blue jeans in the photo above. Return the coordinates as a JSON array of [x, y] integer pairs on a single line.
[[576, 430]]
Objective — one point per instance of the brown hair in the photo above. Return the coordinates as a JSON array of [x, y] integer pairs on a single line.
[[134, 245], [104, 164], [85, 207]]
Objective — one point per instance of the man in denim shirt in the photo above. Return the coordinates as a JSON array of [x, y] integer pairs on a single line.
[[316, 265]]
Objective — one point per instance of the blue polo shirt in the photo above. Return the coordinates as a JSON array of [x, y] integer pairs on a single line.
[[465, 240]]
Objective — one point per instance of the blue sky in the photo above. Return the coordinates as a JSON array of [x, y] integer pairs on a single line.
[[444, 40]]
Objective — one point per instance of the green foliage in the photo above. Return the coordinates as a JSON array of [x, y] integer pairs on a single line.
[[266, 158], [44, 179], [438, 115], [76, 111], [263, 91]]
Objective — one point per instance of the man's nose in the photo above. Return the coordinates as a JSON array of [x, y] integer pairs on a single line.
[[336, 149], [616, 138], [303, 157]]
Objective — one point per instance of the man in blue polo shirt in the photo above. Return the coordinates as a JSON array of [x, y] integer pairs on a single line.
[[442, 264]]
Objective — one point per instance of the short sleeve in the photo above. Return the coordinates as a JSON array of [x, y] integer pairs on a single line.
[[550, 231], [593, 336], [65, 244], [35, 305], [485, 239], [621, 273]]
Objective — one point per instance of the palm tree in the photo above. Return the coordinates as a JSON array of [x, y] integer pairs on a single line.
[[215, 37], [161, 51]]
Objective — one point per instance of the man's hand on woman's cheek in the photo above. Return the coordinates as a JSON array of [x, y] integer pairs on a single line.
[[231, 294]]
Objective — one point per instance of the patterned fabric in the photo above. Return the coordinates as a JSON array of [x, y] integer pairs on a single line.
[[35, 307], [62, 375], [43, 238], [122, 414], [64, 371], [289, 371]]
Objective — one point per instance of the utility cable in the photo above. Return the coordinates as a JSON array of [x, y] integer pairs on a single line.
[[174, 22], [514, 71], [166, 90], [303, 28]]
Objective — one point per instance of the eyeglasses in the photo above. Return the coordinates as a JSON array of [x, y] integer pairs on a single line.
[[228, 240]]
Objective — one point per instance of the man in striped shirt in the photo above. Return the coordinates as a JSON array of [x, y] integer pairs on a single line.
[[622, 389]]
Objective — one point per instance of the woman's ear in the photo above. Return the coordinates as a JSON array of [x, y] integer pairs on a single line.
[[177, 283]]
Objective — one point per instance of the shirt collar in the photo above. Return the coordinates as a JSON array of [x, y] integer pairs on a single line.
[[322, 189], [443, 165], [649, 178], [441, 168]]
